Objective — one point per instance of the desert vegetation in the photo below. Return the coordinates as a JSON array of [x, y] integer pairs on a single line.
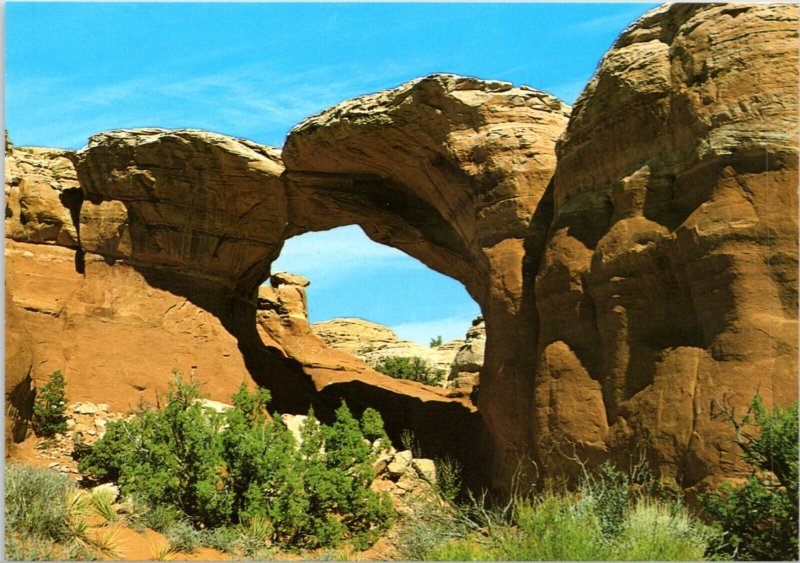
[[240, 482], [49, 518], [242, 474], [627, 515], [609, 517], [49, 406], [760, 518], [411, 368]]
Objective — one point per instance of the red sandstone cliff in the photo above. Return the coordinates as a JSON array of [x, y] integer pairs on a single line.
[[635, 257]]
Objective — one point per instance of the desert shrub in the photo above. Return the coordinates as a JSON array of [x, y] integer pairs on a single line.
[[42, 521], [430, 528], [659, 531], [241, 470], [223, 538], [372, 427], [553, 527], [49, 407], [36, 502], [605, 519], [410, 442], [183, 536], [411, 368], [448, 478], [171, 456], [435, 342], [760, 518]]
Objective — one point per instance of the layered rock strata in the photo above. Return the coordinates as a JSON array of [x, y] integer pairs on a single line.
[[450, 170], [634, 275], [667, 286], [173, 233]]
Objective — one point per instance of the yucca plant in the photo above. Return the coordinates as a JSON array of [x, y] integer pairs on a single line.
[[102, 501], [107, 540], [162, 551]]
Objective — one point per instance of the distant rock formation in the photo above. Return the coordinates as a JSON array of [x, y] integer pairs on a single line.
[[460, 360], [372, 342], [634, 257], [468, 361]]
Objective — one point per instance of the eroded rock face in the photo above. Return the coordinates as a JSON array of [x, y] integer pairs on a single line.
[[210, 207], [469, 359], [42, 193], [632, 276], [668, 279], [450, 170], [176, 230], [115, 337]]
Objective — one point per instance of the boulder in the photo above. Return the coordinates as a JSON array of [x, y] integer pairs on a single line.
[[426, 469], [400, 464]]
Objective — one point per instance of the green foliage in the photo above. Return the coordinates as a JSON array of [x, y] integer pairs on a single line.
[[435, 342], [37, 516], [36, 502], [372, 427], [49, 407], [658, 531], [410, 443], [243, 471], [608, 490], [606, 519], [448, 478], [412, 368], [760, 518], [183, 537], [172, 456]]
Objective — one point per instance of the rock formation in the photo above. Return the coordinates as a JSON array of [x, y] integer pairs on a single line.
[[149, 290], [371, 342], [634, 258], [450, 170], [468, 362], [668, 280]]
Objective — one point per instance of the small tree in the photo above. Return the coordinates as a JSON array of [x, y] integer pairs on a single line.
[[49, 407], [436, 342], [760, 518]]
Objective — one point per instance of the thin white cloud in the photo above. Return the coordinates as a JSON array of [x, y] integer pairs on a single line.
[[254, 100], [339, 251]]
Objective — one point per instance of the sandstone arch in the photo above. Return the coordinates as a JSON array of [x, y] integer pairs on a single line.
[[450, 170], [634, 261]]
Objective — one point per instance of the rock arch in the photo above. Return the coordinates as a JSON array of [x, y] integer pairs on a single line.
[[624, 290], [448, 169]]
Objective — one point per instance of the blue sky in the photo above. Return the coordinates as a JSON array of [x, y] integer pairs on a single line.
[[255, 70]]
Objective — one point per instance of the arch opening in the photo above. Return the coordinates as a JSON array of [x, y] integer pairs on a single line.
[[353, 276], [377, 303]]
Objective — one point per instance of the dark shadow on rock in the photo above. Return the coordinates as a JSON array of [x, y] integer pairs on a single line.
[[440, 429]]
